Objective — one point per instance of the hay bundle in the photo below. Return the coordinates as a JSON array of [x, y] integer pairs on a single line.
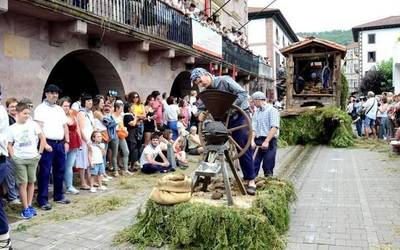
[[199, 225], [328, 125]]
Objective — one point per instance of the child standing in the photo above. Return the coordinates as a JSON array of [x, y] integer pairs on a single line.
[[96, 155], [22, 147]]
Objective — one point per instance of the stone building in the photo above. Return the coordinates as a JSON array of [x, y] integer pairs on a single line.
[[269, 32], [351, 68], [95, 46]]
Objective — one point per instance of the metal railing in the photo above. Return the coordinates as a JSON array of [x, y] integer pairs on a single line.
[[234, 54], [153, 17]]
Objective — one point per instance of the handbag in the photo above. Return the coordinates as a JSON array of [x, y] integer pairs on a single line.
[[122, 133], [106, 137]]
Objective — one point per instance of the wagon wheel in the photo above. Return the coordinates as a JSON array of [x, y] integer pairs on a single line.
[[235, 150]]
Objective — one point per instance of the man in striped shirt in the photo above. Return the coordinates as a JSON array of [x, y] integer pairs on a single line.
[[265, 125]]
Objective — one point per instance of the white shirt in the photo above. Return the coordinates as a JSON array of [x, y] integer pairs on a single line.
[[97, 155], [4, 122], [371, 102], [89, 123], [171, 112], [3, 129], [149, 150], [24, 138], [53, 118]]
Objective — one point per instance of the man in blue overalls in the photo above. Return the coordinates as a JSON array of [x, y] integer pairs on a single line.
[[205, 80]]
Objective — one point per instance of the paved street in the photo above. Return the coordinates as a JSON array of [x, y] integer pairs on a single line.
[[347, 199]]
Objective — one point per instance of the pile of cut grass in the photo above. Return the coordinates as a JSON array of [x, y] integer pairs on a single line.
[[328, 125], [203, 226]]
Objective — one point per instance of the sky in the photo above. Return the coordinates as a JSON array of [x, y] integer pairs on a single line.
[[324, 15]]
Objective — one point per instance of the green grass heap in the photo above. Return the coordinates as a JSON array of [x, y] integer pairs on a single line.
[[203, 226], [328, 125]]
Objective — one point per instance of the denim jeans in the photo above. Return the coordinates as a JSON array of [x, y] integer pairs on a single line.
[[12, 188], [3, 217], [69, 164], [384, 128], [121, 143]]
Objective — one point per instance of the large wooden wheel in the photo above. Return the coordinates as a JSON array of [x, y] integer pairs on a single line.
[[235, 150]]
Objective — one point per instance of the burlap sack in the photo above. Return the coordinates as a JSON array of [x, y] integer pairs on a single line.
[[168, 198], [177, 183], [172, 189]]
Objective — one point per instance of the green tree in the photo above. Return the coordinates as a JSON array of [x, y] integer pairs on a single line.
[[372, 81], [385, 68]]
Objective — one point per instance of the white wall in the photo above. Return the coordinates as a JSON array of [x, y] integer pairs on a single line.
[[385, 40], [396, 68], [258, 37]]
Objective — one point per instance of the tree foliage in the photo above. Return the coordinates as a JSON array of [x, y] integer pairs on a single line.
[[378, 79], [343, 37], [344, 94]]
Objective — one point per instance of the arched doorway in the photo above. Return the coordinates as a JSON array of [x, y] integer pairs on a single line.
[[85, 71], [182, 85]]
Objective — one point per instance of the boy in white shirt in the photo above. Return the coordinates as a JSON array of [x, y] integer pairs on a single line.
[[22, 147], [96, 155], [147, 160]]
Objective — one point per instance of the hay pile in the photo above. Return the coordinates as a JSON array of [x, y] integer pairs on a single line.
[[199, 225], [328, 125]]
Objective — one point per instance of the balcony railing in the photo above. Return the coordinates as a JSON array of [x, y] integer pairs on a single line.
[[234, 54], [152, 17]]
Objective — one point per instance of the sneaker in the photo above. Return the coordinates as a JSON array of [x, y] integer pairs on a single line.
[[105, 179], [103, 188], [115, 173], [46, 207], [26, 214], [72, 190], [33, 210], [5, 244], [93, 190], [15, 202], [64, 201]]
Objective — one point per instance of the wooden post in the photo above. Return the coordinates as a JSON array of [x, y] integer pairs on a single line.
[[337, 77]]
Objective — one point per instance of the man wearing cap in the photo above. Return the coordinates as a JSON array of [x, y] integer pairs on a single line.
[[53, 122], [204, 80], [265, 125]]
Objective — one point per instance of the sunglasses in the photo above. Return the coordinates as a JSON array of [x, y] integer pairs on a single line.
[[135, 96]]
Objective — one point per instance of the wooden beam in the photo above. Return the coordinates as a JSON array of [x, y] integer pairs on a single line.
[[289, 81], [60, 32], [3, 6], [181, 60], [316, 55], [155, 56], [130, 49]]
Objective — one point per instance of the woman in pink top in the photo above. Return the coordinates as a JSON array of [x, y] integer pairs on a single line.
[[157, 106], [185, 111]]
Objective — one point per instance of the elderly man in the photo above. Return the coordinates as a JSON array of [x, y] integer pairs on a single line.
[[371, 108], [205, 80], [265, 131], [53, 121]]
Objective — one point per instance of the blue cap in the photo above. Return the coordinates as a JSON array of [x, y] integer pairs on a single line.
[[258, 96], [197, 73]]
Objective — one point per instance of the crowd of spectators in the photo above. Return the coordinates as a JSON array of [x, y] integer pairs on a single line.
[[376, 116], [98, 137], [190, 9]]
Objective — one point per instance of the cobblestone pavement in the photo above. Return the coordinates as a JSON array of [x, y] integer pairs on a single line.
[[347, 199]]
